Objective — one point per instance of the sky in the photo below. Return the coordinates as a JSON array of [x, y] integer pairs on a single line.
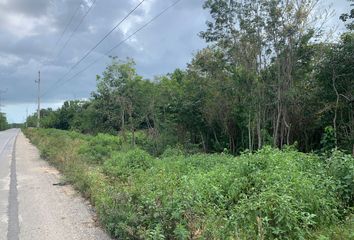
[[32, 39]]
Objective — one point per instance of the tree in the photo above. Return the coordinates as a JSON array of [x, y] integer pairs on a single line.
[[123, 96], [3, 122], [349, 16], [335, 78], [258, 35], [239, 29], [262, 80]]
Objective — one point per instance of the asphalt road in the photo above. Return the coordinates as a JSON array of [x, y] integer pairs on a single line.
[[31, 207]]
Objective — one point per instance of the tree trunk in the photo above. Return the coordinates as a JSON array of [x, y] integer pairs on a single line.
[[336, 107], [249, 133], [203, 142], [133, 137], [123, 123], [281, 136], [287, 129], [277, 123], [259, 133], [215, 137]]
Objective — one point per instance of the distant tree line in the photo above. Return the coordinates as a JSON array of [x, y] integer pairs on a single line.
[[264, 79], [3, 122]]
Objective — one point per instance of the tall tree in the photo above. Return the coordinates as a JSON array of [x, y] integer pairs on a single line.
[[335, 78], [254, 35]]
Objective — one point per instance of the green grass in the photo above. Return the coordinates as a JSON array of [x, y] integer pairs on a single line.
[[342, 231], [270, 194]]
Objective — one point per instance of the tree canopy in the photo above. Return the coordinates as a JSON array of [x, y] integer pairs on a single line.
[[264, 79]]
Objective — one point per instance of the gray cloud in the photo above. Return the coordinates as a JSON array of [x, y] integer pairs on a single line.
[[29, 31], [31, 8]]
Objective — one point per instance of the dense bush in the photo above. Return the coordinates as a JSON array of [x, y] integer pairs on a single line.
[[341, 169], [100, 147], [271, 194], [123, 164], [173, 151]]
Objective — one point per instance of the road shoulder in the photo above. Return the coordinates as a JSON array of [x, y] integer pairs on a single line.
[[48, 211]]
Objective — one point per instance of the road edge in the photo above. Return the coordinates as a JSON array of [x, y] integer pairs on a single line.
[[13, 220]]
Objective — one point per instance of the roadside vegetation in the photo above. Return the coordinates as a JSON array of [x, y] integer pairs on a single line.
[[3, 122], [266, 78], [269, 194], [253, 140]]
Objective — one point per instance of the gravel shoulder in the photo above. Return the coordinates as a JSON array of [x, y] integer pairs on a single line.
[[48, 211]]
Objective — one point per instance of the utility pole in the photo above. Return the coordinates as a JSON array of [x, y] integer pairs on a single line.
[[39, 99]]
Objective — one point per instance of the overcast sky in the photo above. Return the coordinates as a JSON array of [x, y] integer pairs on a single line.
[[30, 31]]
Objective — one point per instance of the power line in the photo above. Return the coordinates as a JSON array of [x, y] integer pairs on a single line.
[[114, 28], [119, 44], [142, 27], [68, 24], [76, 28], [98, 43]]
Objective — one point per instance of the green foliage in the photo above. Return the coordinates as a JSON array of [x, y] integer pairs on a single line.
[[123, 164], [100, 147], [3, 122], [328, 140], [263, 81], [348, 18], [341, 169], [270, 194], [335, 73], [173, 151], [343, 230]]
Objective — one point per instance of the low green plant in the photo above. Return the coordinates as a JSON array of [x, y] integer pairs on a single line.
[[123, 164], [340, 167], [270, 194], [100, 147], [328, 140], [173, 151]]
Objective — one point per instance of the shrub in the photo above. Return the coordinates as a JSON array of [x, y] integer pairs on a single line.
[[328, 140], [270, 194], [100, 147], [123, 164], [340, 167], [173, 151]]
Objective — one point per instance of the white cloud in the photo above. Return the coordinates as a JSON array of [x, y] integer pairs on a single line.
[[7, 60], [134, 20], [92, 29], [130, 23], [21, 25]]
